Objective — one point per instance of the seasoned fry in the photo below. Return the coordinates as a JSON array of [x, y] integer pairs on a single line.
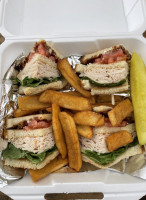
[[54, 165], [118, 139], [65, 100], [89, 118], [31, 103], [120, 112], [92, 99], [72, 140], [68, 73], [85, 131], [49, 109], [20, 113], [57, 131]]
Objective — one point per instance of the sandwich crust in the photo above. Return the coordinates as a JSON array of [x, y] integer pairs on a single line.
[[26, 164], [130, 152], [16, 121], [36, 90], [88, 57], [104, 90]]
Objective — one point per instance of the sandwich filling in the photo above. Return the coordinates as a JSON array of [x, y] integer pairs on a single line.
[[116, 54], [105, 75], [40, 68], [33, 148], [96, 148]]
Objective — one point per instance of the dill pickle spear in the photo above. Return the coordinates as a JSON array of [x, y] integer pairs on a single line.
[[138, 93]]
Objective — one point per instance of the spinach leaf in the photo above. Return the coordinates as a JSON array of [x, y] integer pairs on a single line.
[[34, 82]]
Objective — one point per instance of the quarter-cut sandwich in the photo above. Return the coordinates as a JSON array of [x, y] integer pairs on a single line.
[[31, 143], [105, 71], [109, 145], [40, 71]]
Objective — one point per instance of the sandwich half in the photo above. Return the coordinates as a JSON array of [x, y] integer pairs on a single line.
[[102, 150], [105, 71], [40, 71], [31, 143]]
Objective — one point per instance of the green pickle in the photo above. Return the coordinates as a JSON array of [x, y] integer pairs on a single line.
[[138, 93]]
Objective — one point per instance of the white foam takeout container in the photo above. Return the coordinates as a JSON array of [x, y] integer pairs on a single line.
[[74, 28]]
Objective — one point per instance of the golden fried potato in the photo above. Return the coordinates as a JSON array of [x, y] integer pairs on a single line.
[[57, 131], [69, 74], [75, 93], [118, 139], [85, 131], [89, 118], [31, 103], [65, 100], [54, 165], [20, 113], [120, 112], [72, 140]]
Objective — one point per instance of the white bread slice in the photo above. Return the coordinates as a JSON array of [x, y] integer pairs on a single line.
[[130, 152], [11, 134], [15, 121], [109, 90], [95, 90], [105, 130], [57, 53], [36, 90], [90, 56], [26, 164]]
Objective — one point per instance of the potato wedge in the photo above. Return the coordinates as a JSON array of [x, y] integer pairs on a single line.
[[65, 100], [85, 131], [138, 93], [92, 99], [68, 73], [57, 131], [118, 139], [120, 112], [20, 113], [72, 140], [54, 165], [31, 103], [89, 118]]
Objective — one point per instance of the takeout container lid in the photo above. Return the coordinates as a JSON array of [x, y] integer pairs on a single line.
[[23, 21], [71, 18]]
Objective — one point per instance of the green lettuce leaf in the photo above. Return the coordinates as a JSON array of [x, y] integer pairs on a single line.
[[106, 158], [34, 82], [12, 152], [103, 84]]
